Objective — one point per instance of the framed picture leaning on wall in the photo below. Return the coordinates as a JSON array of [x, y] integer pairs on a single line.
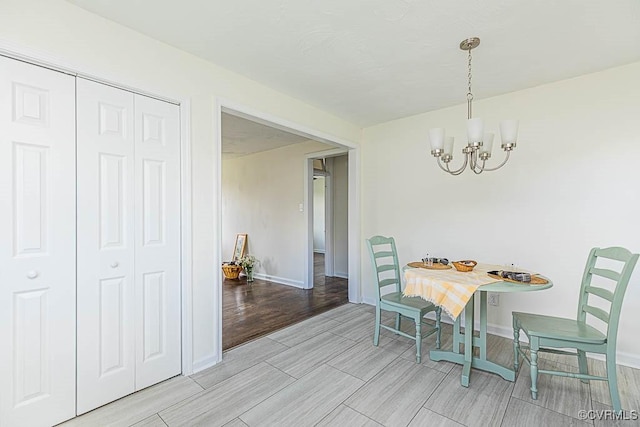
[[240, 246]]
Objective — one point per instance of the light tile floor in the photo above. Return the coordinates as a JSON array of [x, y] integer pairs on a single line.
[[325, 371]]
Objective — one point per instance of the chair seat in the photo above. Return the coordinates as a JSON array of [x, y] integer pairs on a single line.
[[397, 299], [559, 328]]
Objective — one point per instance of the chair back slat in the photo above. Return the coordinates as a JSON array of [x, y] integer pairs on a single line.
[[603, 272], [620, 281], [386, 282], [384, 259], [615, 252], [385, 267], [383, 254], [598, 312], [602, 293]]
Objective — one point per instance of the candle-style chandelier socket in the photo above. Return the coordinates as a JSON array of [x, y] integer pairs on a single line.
[[479, 143]]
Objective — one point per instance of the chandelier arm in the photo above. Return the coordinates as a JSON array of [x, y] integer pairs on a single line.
[[458, 171], [474, 164], [479, 170], [501, 164], [442, 167]]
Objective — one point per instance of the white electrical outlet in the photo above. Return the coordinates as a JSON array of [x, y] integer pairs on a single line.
[[494, 299]]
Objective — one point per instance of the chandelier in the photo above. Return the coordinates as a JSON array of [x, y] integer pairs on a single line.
[[479, 144]]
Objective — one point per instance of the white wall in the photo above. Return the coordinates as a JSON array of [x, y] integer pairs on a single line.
[[262, 194], [318, 214], [56, 31], [571, 184], [340, 182]]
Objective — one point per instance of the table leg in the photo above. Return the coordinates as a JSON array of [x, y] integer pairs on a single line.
[[467, 360], [468, 342], [482, 341]]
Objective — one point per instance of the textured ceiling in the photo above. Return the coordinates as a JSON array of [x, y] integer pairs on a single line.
[[370, 61], [241, 137]]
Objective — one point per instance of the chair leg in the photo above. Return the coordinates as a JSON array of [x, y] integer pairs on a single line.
[[418, 339], [398, 321], [582, 364], [612, 377], [438, 328], [516, 344], [376, 334], [534, 346]]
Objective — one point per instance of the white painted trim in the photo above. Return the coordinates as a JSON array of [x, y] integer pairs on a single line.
[[45, 60], [239, 110], [355, 287], [329, 260], [318, 251], [369, 301], [204, 363], [329, 220], [280, 280], [249, 113], [217, 209], [57, 65], [622, 357], [341, 275], [186, 237], [308, 219]]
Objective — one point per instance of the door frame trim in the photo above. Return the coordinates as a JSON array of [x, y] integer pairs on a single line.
[[221, 105]]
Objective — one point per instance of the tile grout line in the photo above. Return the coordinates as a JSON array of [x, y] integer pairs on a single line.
[[431, 394], [162, 419], [548, 409]]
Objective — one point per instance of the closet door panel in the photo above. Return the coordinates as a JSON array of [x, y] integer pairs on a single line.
[[106, 250], [157, 270], [37, 245]]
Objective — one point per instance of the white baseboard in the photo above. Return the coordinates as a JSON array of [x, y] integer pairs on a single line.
[[204, 363], [280, 280], [341, 275], [622, 357], [370, 301], [319, 251]]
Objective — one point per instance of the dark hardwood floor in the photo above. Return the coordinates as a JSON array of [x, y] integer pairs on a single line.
[[252, 310]]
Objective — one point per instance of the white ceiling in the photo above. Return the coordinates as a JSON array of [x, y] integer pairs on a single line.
[[370, 61], [241, 137]]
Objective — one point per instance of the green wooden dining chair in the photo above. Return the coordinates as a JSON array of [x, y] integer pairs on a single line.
[[548, 334], [384, 258]]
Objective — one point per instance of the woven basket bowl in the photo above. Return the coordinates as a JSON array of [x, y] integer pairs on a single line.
[[231, 271], [464, 265]]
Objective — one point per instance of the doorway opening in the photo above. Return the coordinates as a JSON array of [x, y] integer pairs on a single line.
[[263, 193]]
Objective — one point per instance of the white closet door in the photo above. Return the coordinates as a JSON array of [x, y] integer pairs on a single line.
[[106, 297], [37, 245], [157, 242]]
